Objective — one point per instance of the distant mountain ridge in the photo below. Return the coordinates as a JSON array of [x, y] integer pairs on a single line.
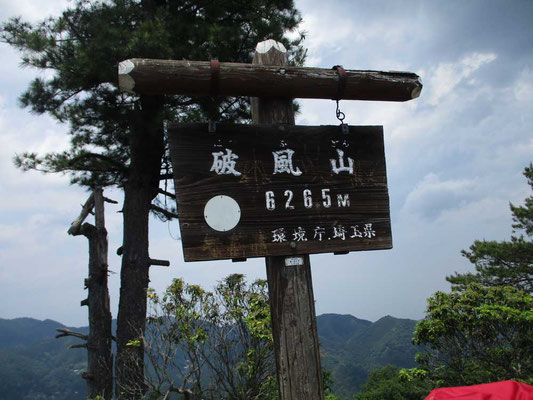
[[34, 365], [26, 331], [351, 347]]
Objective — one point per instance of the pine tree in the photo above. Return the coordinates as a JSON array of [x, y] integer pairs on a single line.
[[117, 138], [507, 262], [477, 335]]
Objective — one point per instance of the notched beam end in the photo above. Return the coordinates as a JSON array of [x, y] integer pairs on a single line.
[[418, 89], [125, 81], [265, 46]]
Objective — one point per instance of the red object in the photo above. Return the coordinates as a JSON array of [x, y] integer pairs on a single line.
[[506, 390]]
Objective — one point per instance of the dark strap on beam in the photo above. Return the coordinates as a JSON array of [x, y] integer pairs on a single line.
[[215, 77], [342, 82]]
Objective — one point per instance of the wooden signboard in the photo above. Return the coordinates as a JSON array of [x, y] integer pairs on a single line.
[[265, 190]]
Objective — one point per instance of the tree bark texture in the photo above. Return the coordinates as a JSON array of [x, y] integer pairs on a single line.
[[147, 148], [290, 288], [100, 357], [233, 79], [99, 374]]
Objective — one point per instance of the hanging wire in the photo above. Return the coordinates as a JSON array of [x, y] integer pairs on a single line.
[[177, 238]]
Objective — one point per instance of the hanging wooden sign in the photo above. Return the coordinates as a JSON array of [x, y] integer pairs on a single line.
[[263, 190]]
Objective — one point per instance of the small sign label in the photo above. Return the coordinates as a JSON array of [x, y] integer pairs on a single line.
[[294, 261]]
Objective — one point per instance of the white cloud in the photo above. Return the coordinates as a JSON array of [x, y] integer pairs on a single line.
[[321, 34], [446, 76], [24, 132], [523, 87], [432, 196], [32, 10]]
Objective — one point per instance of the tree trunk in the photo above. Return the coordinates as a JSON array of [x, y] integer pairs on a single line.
[[99, 374], [147, 148], [100, 357]]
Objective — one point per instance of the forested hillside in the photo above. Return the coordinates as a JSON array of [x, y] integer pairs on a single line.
[[352, 347], [34, 365]]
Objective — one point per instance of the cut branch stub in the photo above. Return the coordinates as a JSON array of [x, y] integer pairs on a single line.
[[108, 200], [184, 77], [78, 346], [87, 375], [162, 263]]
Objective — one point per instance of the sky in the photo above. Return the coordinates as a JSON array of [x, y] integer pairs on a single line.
[[455, 158]]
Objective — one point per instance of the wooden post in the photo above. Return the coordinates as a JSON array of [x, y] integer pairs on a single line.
[[99, 374], [290, 287]]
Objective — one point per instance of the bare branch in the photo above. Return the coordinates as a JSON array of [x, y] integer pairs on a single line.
[[75, 227], [166, 213], [168, 194], [187, 394], [66, 332], [164, 177]]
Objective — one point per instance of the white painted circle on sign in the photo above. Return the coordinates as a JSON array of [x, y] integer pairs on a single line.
[[222, 213]]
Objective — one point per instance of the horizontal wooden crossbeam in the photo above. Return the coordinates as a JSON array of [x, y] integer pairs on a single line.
[[183, 77]]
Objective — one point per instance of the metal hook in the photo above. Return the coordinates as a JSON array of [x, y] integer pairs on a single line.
[[340, 116], [339, 113], [340, 92]]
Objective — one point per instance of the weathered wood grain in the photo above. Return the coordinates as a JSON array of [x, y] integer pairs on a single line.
[[184, 77], [295, 331], [192, 149], [292, 304]]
